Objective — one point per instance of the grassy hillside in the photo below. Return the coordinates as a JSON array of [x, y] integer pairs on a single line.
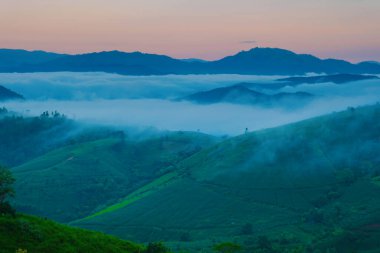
[[40, 235], [76, 180], [312, 185]]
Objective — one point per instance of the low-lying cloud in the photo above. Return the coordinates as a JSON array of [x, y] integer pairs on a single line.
[[165, 115], [139, 109], [96, 85]]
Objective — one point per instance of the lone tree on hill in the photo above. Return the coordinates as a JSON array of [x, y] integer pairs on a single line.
[[6, 191]]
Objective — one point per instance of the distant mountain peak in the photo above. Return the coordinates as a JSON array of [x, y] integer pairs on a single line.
[[270, 50], [266, 51]]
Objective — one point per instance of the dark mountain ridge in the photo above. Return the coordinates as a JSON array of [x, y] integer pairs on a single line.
[[7, 94], [298, 80], [258, 61], [135, 63], [338, 79], [14, 60], [240, 94]]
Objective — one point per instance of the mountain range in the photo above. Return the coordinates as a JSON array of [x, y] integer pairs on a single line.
[[258, 61]]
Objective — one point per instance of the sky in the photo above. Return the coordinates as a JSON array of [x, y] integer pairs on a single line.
[[208, 29]]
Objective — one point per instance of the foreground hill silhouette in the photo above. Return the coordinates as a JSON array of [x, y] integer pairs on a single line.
[[86, 176], [259, 61], [314, 184]]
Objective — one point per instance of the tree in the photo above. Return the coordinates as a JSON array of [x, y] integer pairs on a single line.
[[227, 247], [6, 191]]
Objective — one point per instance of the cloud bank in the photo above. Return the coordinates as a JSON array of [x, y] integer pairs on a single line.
[[85, 86], [145, 102]]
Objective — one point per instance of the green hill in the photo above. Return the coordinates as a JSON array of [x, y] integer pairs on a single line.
[[313, 184], [76, 180], [38, 235]]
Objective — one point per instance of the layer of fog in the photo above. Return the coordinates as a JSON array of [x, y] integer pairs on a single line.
[[164, 114], [85, 86]]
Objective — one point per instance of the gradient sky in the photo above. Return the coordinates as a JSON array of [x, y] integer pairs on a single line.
[[209, 29]]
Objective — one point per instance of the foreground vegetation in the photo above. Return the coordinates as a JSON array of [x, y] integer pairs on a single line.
[[40, 235], [24, 233]]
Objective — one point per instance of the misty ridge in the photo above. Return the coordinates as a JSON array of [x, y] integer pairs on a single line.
[[150, 101]]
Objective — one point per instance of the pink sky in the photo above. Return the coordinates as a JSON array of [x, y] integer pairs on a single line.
[[209, 29]]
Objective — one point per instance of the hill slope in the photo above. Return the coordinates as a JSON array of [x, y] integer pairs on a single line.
[[315, 181], [73, 181], [40, 235]]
